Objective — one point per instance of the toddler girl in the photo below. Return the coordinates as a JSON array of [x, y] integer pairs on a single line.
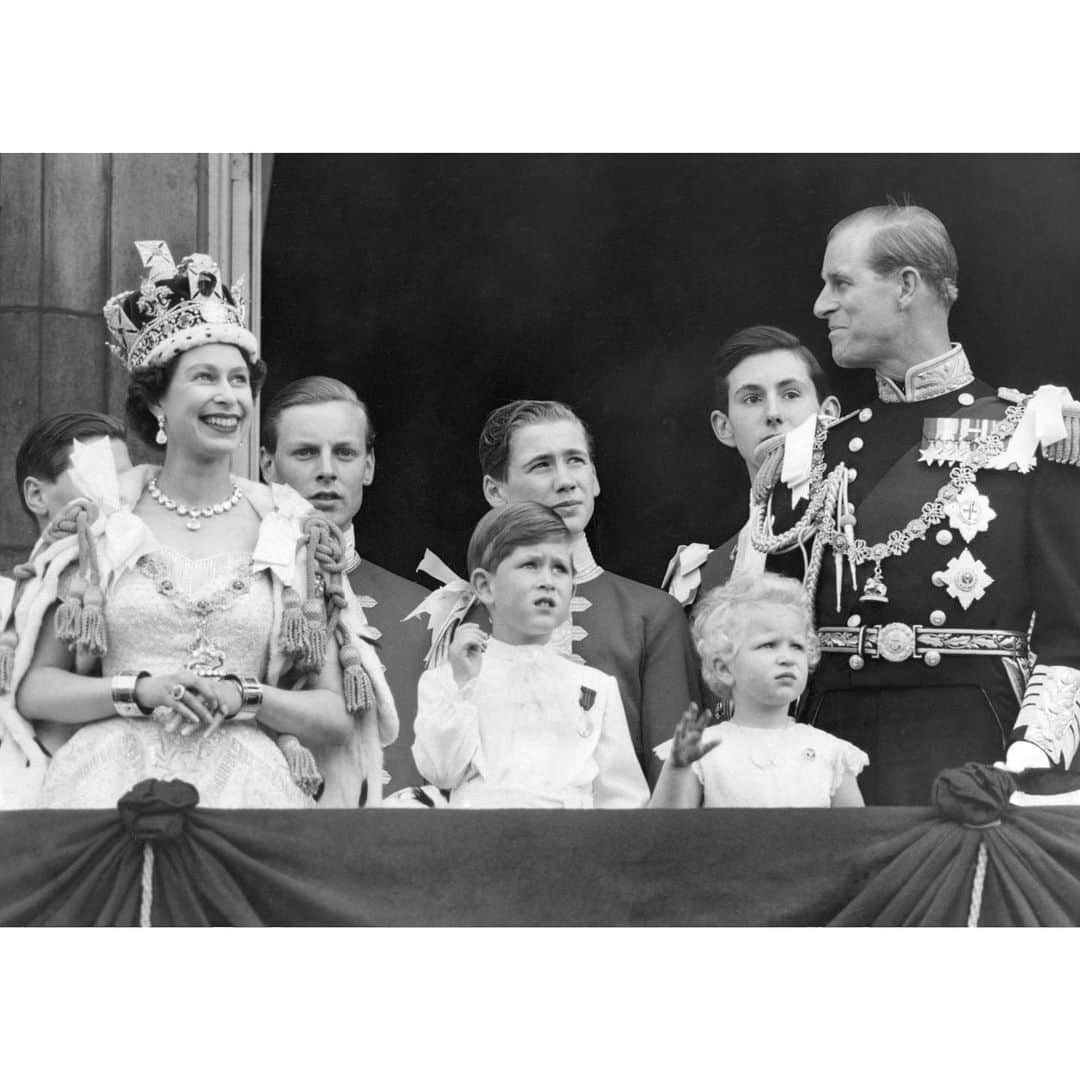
[[756, 642], [508, 721]]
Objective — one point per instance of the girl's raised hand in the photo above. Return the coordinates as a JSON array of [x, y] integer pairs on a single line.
[[467, 652], [686, 744]]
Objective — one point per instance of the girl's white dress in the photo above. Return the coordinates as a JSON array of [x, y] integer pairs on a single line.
[[794, 765], [534, 729]]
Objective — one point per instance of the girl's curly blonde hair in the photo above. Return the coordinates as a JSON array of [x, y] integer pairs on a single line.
[[721, 613]]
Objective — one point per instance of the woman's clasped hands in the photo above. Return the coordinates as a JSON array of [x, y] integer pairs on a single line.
[[186, 701]]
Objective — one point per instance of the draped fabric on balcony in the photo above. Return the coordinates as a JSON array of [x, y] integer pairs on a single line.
[[881, 866]]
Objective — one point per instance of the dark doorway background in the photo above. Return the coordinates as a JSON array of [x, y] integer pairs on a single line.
[[440, 286]]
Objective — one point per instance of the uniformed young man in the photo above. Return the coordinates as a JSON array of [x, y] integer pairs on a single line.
[[766, 384], [942, 518], [317, 436]]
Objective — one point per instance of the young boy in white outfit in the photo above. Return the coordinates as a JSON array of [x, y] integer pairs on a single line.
[[506, 721]]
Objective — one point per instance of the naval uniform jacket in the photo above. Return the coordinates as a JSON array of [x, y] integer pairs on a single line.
[[917, 718]]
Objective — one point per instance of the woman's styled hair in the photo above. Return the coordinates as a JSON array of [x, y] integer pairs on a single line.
[[310, 390], [909, 235], [148, 385], [502, 530], [720, 617], [501, 423]]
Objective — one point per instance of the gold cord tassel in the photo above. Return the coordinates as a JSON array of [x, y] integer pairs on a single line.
[[68, 619], [314, 655], [293, 627], [357, 685], [92, 624], [303, 767]]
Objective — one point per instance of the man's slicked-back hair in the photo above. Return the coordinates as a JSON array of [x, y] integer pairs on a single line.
[[502, 530], [501, 423], [310, 390], [753, 341], [909, 235], [45, 452]]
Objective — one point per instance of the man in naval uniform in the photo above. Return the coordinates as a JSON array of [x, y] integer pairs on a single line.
[[317, 436], [943, 516]]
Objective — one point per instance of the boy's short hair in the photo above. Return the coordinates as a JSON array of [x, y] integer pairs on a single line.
[[501, 423], [502, 530], [720, 614], [752, 341], [45, 452], [310, 390]]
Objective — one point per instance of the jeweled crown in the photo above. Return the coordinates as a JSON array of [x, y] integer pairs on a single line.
[[175, 309]]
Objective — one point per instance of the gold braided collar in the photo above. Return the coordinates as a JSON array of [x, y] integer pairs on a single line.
[[931, 378]]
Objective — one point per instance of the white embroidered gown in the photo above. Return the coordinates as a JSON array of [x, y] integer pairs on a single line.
[[165, 613]]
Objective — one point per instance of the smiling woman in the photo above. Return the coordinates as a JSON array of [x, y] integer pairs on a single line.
[[193, 629]]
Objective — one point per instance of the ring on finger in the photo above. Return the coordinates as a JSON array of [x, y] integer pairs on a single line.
[[178, 692]]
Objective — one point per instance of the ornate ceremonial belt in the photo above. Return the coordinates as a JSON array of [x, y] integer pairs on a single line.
[[897, 642]]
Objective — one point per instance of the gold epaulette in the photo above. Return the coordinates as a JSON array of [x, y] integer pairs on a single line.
[[1066, 451]]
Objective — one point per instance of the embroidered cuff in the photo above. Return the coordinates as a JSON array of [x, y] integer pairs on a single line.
[[1048, 717]]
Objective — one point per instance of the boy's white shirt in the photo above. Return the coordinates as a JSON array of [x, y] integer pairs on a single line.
[[449, 749]]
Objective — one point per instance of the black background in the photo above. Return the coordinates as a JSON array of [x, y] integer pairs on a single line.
[[440, 286]]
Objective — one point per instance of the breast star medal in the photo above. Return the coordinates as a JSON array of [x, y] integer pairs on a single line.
[[970, 513], [965, 579]]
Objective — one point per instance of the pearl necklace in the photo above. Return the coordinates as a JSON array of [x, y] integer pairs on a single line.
[[192, 512]]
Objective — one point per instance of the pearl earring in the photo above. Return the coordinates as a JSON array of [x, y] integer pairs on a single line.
[[161, 438]]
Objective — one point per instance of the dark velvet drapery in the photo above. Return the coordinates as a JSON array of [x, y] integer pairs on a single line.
[[403, 867]]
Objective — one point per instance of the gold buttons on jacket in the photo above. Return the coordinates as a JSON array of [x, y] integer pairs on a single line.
[[943, 537], [966, 399], [855, 445], [937, 618], [865, 414]]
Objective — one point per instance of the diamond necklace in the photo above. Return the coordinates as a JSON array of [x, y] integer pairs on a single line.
[[192, 512]]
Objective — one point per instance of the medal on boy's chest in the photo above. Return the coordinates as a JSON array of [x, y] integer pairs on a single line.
[[585, 703]]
